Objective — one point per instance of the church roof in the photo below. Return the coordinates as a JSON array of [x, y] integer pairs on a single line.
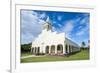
[[72, 41]]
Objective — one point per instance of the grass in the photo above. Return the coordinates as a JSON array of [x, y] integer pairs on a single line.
[[83, 55], [26, 54]]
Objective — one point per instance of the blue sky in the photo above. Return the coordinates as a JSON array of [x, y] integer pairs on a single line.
[[74, 24]]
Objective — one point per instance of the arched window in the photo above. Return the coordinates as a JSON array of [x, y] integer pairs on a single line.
[[47, 49], [60, 48], [33, 50], [66, 48], [53, 49], [69, 49], [38, 50]]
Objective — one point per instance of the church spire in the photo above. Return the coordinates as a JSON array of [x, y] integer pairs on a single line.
[[47, 25], [48, 20]]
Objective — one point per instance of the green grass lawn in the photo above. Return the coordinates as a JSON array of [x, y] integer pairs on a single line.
[[26, 54], [83, 55]]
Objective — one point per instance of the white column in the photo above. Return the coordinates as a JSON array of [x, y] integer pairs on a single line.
[[44, 49], [68, 48], [71, 49], [49, 49], [55, 49], [40, 49], [31, 50], [64, 49], [34, 50]]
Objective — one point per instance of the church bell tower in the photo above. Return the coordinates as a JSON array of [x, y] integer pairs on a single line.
[[47, 26]]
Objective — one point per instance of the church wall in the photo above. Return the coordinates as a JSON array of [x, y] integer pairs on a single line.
[[49, 38]]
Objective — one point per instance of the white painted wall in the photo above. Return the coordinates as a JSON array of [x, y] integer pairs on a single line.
[[49, 38]]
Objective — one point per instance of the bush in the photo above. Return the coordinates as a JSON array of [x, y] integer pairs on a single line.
[[26, 47], [84, 48]]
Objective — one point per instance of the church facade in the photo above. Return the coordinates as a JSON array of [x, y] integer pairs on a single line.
[[53, 43]]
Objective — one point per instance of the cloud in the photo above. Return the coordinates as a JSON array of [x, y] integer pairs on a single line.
[[78, 27], [68, 27], [26, 38], [59, 25], [83, 30], [59, 18], [80, 32], [31, 26], [54, 22], [42, 15], [85, 20]]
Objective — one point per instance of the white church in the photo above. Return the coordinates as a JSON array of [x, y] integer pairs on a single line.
[[52, 43]]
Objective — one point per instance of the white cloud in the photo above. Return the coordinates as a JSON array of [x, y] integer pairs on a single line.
[[78, 19], [83, 30], [54, 22], [80, 32], [31, 26], [59, 25], [83, 21], [68, 27], [80, 27], [42, 16], [26, 38], [59, 18]]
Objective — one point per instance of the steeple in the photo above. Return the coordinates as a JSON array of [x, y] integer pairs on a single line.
[[48, 20], [47, 26]]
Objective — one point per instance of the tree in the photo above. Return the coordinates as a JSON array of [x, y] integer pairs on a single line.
[[88, 44], [25, 47], [83, 45]]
